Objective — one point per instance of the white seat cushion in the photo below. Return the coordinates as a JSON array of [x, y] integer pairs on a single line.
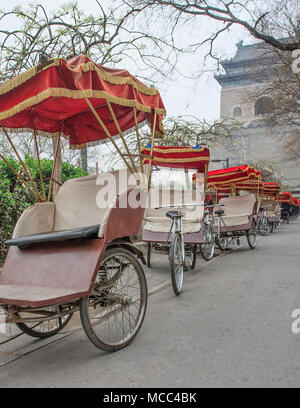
[[237, 209], [156, 219]]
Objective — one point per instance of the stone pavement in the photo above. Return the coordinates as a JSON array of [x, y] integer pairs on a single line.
[[231, 326]]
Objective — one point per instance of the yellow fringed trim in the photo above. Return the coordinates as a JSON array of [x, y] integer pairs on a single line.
[[113, 79], [90, 66], [25, 76], [228, 183], [175, 150], [194, 159], [79, 94]]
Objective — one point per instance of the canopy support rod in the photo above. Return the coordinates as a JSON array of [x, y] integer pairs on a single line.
[[205, 179], [53, 166], [22, 163], [187, 180], [39, 163], [18, 176], [107, 133], [121, 135], [138, 139], [151, 151]]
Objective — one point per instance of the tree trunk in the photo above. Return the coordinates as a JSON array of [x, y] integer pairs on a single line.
[[57, 169], [83, 156]]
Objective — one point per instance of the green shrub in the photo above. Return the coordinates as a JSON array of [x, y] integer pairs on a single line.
[[15, 196]]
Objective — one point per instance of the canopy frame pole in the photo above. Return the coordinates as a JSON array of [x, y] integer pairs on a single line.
[[107, 133], [39, 163], [151, 151], [138, 139], [18, 176], [22, 163], [215, 196], [53, 166], [187, 180], [121, 135], [205, 179]]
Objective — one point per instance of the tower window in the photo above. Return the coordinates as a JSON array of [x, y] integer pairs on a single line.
[[263, 105], [237, 111]]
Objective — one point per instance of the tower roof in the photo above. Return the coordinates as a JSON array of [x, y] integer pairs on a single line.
[[248, 66]]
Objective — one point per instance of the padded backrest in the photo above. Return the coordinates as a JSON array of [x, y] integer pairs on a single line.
[[76, 201], [161, 197], [239, 205], [269, 203], [37, 219]]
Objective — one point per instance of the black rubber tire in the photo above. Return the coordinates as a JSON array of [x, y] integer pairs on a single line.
[[261, 230], [211, 255], [252, 245], [149, 253], [194, 255], [83, 304], [175, 246], [221, 246], [43, 335]]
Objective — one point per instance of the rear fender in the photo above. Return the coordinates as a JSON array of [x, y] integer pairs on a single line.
[[125, 243]]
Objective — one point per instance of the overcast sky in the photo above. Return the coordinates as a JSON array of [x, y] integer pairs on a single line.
[[195, 97], [191, 98]]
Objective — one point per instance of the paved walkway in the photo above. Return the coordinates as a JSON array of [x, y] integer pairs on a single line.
[[231, 326]]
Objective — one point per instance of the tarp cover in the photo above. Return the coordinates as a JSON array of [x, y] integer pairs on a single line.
[[51, 99], [180, 157]]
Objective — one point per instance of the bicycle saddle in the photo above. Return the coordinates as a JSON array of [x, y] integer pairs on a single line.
[[219, 212], [173, 214]]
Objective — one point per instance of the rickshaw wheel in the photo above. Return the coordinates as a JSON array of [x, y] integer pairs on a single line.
[[112, 317], [263, 227], [176, 263], [191, 256], [251, 235], [207, 249], [45, 328], [222, 243], [149, 251]]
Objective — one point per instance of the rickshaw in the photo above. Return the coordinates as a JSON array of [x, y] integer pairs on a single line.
[[270, 192], [235, 215], [285, 200], [75, 253], [294, 209], [175, 220]]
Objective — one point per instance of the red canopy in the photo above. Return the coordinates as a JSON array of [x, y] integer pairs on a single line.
[[285, 197], [231, 175], [180, 157], [52, 99], [271, 188]]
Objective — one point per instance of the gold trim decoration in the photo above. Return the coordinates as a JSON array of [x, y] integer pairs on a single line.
[[114, 79], [175, 150], [78, 94], [85, 67], [228, 181], [25, 76], [193, 159]]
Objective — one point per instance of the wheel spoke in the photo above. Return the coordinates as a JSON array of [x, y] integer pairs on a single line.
[[119, 312]]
